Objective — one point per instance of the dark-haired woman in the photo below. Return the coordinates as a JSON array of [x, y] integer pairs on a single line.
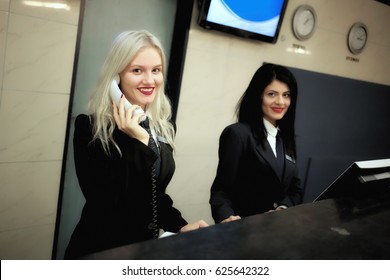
[[257, 171]]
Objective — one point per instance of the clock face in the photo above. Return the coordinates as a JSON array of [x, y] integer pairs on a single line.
[[357, 38], [304, 20]]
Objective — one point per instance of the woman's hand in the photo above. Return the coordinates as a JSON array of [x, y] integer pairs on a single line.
[[231, 218], [197, 225], [128, 123], [281, 207]]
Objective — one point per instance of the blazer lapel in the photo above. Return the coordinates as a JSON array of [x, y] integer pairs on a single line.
[[166, 159], [290, 166], [269, 157]]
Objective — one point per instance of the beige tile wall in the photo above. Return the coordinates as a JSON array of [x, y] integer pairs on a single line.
[[37, 46]]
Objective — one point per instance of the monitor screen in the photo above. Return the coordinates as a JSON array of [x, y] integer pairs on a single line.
[[255, 19], [363, 180]]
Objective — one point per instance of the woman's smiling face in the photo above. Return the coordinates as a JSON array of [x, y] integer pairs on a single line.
[[142, 78], [276, 100]]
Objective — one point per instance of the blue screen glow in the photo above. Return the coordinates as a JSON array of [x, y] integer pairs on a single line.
[[258, 16]]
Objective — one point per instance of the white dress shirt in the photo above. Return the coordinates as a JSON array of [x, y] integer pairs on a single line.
[[271, 135]]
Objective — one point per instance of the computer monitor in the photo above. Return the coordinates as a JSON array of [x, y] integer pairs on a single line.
[[363, 180]]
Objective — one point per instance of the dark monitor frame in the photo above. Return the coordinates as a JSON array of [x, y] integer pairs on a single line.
[[363, 180], [203, 22]]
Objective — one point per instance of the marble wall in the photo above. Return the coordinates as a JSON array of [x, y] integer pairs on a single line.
[[37, 46]]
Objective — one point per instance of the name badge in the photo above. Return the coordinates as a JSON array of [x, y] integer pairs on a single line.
[[290, 158], [162, 139]]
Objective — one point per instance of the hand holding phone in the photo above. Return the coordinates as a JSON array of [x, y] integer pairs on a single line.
[[116, 95]]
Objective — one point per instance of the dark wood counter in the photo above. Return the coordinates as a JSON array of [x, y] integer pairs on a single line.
[[327, 229]]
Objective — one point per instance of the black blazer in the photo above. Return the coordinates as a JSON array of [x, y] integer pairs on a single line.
[[117, 190], [247, 181]]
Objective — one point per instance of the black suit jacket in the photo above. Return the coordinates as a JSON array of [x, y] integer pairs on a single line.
[[247, 181], [117, 190]]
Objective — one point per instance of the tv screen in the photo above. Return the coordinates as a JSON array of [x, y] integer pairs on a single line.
[[254, 19]]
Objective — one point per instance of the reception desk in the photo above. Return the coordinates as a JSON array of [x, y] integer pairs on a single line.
[[328, 229]]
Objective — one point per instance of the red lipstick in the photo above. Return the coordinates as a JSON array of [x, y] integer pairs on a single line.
[[277, 110], [146, 90]]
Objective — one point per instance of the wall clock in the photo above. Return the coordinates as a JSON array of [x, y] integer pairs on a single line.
[[304, 22], [357, 37]]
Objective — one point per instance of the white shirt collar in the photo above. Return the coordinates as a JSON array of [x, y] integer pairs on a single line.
[[271, 130]]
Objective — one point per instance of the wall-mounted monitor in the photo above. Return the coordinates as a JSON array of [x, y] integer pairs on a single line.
[[254, 19]]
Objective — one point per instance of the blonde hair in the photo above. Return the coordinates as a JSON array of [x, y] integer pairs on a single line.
[[123, 50]]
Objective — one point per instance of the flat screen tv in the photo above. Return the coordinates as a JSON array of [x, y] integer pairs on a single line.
[[254, 19]]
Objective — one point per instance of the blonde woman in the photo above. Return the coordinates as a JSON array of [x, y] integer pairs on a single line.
[[123, 167]]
